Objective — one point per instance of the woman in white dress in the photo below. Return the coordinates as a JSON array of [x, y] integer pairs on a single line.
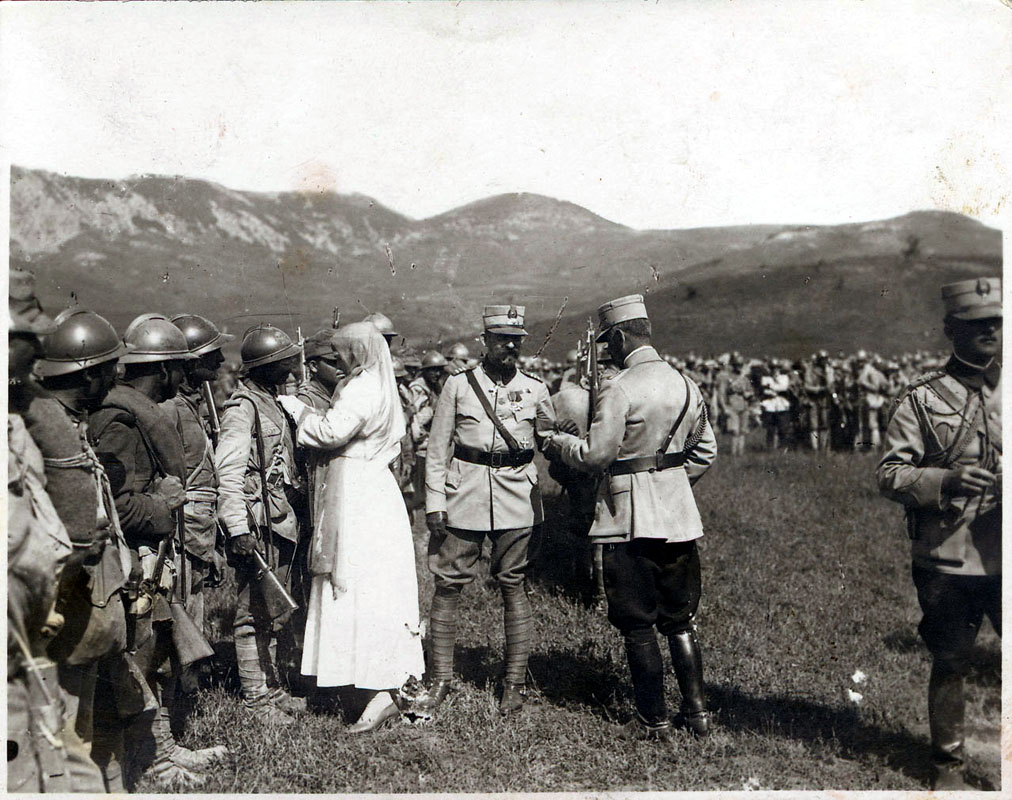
[[362, 627]]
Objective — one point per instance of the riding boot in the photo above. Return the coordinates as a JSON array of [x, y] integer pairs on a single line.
[[519, 628], [442, 637], [687, 659], [647, 671], [945, 718]]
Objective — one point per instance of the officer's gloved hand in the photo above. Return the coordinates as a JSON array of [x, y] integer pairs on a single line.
[[436, 523], [170, 489], [243, 545], [455, 369], [967, 481], [568, 426]]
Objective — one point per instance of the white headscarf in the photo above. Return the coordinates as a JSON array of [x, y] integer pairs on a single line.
[[365, 352]]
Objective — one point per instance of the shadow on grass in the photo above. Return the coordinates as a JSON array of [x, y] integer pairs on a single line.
[[807, 721], [582, 679]]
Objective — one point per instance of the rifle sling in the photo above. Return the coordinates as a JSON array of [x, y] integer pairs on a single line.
[[511, 442]]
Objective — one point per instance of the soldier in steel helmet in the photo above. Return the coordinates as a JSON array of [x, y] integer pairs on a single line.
[[651, 436], [480, 482], [142, 453], [38, 548], [384, 325], [269, 357], [457, 358], [77, 371], [188, 411], [943, 463]]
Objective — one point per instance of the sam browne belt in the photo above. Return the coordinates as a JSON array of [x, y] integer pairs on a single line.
[[495, 460]]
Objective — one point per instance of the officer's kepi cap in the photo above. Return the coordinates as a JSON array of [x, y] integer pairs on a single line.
[[319, 344], [504, 319], [619, 310], [977, 298]]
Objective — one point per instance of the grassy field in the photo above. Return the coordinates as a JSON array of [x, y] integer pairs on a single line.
[[805, 584]]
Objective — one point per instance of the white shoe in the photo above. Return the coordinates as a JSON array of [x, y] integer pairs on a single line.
[[380, 711]]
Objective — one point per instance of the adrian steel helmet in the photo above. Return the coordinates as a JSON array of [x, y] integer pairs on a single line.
[[382, 323], [202, 335], [82, 339], [458, 351], [266, 344], [433, 358], [154, 338]]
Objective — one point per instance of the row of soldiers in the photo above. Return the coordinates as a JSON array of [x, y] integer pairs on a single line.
[[128, 496]]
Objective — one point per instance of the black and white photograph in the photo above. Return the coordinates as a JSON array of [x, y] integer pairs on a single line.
[[588, 398]]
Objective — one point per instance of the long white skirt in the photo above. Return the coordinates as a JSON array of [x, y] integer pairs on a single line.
[[368, 636]]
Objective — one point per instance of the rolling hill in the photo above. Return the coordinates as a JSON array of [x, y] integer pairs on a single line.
[[173, 243]]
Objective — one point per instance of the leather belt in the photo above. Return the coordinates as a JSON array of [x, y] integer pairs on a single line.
[[495, 460], [654, 463]]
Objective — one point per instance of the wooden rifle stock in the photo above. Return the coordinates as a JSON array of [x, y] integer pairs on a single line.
[[188, 639], [276, 598]]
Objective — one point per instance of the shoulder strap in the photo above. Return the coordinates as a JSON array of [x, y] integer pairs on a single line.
[[511, 443], [674, 428]]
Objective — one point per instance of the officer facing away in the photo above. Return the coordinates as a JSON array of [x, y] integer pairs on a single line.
[[943, 463], [651, 437]]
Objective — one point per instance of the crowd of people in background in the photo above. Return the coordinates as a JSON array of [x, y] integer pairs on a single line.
[[142, 467]]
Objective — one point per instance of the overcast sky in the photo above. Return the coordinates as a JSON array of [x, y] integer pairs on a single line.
[[653, 115]]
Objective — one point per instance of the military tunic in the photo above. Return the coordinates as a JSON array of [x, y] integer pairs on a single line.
[[236, 461], [476, 497], [944, 421], [635, 412]]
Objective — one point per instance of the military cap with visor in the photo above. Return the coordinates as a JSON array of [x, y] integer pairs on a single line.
[[202, 335], [619, 310], [504, 319], [977, 298], [81, 339], [265, 344], [318, 345]]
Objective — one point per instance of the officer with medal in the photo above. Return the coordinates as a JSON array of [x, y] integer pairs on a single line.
[[651, 437], [480, 481], [943, 463]]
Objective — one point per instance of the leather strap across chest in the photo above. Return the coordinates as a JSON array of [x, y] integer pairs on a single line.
[[511, 442], [661, 459]]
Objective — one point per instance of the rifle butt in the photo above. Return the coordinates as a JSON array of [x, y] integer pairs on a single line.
[[189, 641]]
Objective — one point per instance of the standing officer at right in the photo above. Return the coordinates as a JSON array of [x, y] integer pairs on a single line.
[[943, 463], [651, 437]]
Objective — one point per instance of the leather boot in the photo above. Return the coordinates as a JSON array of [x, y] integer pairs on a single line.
[[519, 628], [442, 637], [647, 671], [945, 718], [687, 659]]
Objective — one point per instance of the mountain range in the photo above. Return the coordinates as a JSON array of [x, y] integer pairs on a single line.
[[162, 243]]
